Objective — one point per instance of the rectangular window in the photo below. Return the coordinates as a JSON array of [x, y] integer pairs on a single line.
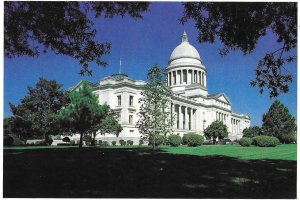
[[130, 100], [119, 100], [130, 119]]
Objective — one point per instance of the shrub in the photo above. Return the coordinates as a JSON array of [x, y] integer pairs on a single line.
[[87, 138], [288, 138], [66, 139], [245, 141], [141, 142], [63, 144], [265, 141], [114, 143], [8, 140], [49, 140], [252, 131], [100, 142], [129, 142], [16, 140], [41, 143], [105, 143], [160, 139], [122, 142], [72, 143], [193, 139], [174, 140], [185, 139]]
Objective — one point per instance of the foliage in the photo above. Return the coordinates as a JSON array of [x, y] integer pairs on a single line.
[[141, 142], [8, 140], [72, 143], [239, 26], [32, 27], [36, 115], [87, 138], [63, 144], [252, 131], [159, 140], [185, 139], [122, 142], [114, 143], [100, 142], [216, 130], [84, 113], [174, 140], [155, 120], [278, 122], [8, 124], [193, 139], [66, 139], [105, 143], [129, 142], [265, 141], [110, 125], [245, 141]]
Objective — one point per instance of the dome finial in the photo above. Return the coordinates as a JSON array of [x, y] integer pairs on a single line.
[[184, 37]]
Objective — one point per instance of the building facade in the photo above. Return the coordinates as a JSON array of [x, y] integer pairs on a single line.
[[194, 109]]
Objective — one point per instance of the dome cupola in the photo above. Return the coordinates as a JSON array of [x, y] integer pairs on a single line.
[[185, 69], [184, 50]]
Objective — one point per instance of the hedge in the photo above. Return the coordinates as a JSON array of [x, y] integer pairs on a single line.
[[192, 139], [174, 140], [245, 141], [265, 141]]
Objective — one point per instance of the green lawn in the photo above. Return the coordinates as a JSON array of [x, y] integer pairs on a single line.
[[220, 171], [281, 152]]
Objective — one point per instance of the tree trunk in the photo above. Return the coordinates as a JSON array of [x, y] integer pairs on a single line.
[[93, 139], [80, 141]]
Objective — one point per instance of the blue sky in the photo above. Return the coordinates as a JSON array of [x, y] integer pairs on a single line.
[[143, 43]]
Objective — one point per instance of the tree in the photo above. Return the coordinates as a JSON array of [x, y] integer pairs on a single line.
[[279, 123], [252, 131], [216, 130], [155, 120], [109, 125], [84, 111], [32, 27], [239, 26], [36, 115]]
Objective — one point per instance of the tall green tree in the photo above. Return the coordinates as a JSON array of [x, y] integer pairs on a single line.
[[216, 130], [36, 115], [65, 27], [109, 124], [240, 25], [84, 112], [252, 131], [279, 123], [155, 119]]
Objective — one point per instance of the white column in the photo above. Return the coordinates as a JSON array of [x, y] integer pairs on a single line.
[[186, 118], [188, 77], [205, 79], [180, 116], [181, 76], [200, 79]]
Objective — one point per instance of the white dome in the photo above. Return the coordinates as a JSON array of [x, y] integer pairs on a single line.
[[184, 50]]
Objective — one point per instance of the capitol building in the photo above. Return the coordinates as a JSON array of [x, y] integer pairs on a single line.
[[194, 108]]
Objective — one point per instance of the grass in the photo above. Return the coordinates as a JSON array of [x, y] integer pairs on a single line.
[[135, 172], [281, 152]]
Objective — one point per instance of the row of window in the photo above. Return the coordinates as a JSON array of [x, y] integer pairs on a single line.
[[120, 100]]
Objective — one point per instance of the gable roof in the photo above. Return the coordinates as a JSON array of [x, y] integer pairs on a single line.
[[79, 83], [218, 97]]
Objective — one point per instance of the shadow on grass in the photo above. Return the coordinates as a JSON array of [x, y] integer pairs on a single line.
[[141, 173]]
